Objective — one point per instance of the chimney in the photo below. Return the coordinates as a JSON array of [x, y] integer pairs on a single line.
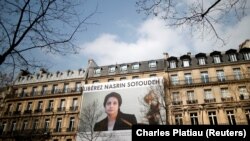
[[189, 54], [166, 56]]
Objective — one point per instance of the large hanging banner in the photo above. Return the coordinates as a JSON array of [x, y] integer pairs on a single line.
[[110, 109]]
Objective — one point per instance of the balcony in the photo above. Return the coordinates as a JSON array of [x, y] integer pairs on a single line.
[[193, 101], [227, 99], [70, 129], [27, 112], [61, 109], [17, 113], [73, 90], [26, 133], [210, 80], [38, 110], [49, 109], [73, 108], [210, 100], [58, 130], [7, 113], [177, 102], [244, 97]]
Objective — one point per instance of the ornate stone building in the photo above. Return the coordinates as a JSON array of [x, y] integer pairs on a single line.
[[43, 106], [204, 88]]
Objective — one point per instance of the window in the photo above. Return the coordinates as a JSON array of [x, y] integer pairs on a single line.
[[19, 107], [44, 90], [62, 104], [29, 106], [95, 81], [231, 117], [186, 63], [243, 93], [136, 66], [71, 124], [112, 69], [74, 104], [174, 79], [78, 86], [46, 124], [188, 78], [51, 105], [152, 64], [217, 59], [122, 78], [190, 95], [25, 125], [4, 126], [202, 61], [224, 93], [40, 106], [24, 92], [178, 119], [237, 73], [111, 80], [194, 119], [172, 64], [54, 89], [34, 91], [246, 55], [232, 57], [66, 88], [152, 75], [8, 110], [220, 75], [212, 118], [13, 126], [176, 97], [123, 68], [208, 94], [35, 124], [204, 77], [58, 125], [97, 71], [247, 112], [135, 77]]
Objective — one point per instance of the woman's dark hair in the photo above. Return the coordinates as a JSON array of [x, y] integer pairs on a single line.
[[113, 94]]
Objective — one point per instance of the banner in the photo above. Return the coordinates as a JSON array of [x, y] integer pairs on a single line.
[[137, 101]]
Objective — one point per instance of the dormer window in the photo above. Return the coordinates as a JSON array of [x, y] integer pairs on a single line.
[[97, 71], [202, 61], [217, 59], [172, 64], [112, 69], [246, 55], [186, 63], [245, 52], [185, 60], [152, 64], [232, 57], [136, 66], [124, 68]]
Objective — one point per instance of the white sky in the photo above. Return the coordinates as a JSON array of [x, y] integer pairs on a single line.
[[124, 36]]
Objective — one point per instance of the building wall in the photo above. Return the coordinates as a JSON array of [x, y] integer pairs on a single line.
[[66, 112], [205, 98]]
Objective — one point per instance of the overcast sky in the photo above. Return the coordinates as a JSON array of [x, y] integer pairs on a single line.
[[122, 36]]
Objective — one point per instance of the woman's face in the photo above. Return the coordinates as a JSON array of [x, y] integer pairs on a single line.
[[112, 106]]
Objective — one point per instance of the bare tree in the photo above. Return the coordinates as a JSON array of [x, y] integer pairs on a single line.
[[89, 116], [198, 15], [5, 79], [47, 25], [157, 103]]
